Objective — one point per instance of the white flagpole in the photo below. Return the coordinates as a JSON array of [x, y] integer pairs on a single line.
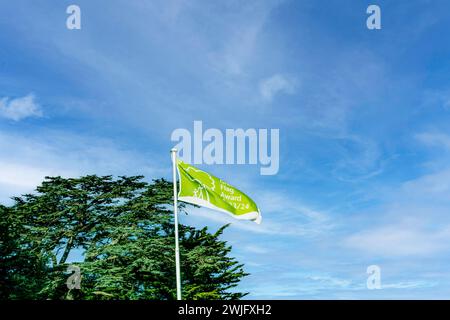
[[175, 212]]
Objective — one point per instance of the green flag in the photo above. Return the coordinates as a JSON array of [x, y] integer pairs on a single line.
[[203, 189]]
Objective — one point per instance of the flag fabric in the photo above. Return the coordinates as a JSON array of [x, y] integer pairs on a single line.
[[203, 189]]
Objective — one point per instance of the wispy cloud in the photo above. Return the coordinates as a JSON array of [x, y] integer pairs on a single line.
[[415, 220], [29, 160], [298, 284], [400, 240], [20, 108], [255, 249], [24, 176], [434, 139], [329, 281], [282, 215], [409, 285], [275, 85], [359, 158], [437, 98], [241, 35]]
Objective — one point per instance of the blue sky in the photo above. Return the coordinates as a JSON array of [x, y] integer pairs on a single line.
[[363, 116]]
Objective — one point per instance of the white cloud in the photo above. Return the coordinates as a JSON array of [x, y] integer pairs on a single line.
[[415, 222], [28, 160], [19, 108], [434, 139], [20, 178], [242, 27], [329, 281], [255, 249], [275, 85], [290, 285], [23, 175], [282, 215], [408, 285], [357, 159], [400, 240], [431, 188], [437, 98], [297, 285]]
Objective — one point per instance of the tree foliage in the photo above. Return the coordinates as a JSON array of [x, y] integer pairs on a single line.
[[124, 229]]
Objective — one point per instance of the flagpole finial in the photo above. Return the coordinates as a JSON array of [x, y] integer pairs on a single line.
[[173, 150]]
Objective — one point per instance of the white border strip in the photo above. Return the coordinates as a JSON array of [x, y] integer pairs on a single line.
[[253, 216]]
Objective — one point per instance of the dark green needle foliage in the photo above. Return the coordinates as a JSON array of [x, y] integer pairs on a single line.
[[124, 230]]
